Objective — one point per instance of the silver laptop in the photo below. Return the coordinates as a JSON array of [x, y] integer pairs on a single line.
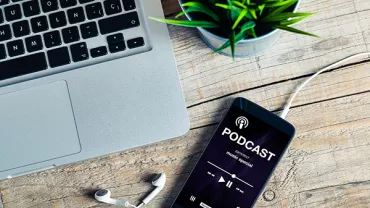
[[81, 79]]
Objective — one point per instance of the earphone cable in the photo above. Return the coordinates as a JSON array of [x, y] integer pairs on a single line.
[[287, 106], [140, 205]]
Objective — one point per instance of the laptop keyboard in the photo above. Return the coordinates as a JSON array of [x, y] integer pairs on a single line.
[[50, 36]]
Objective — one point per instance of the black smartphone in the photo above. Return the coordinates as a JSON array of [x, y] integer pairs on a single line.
[[239, 159]]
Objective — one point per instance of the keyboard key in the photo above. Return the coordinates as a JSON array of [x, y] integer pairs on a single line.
[[59, 57], [85, 1], [129, 4], [21, 28], [52, 39], [2, 51], [136, 42], [15, 48], [112, 7], [1, 16], [23, 65], [70, 34], [99, 51], [49, 5], [76, 15], [5, 33], [39, 24], [89, 30], [79, 52], [4, 2], [117, 47], [94, 11], [31, 8], [67, 3], [115, 38], [13, 12], [34, 43], [58, 19], [119, 22]]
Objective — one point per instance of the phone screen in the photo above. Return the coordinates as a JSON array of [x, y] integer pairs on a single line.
[[236, 164]]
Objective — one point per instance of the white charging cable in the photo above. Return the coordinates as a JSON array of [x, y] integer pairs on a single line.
[[287, 106]]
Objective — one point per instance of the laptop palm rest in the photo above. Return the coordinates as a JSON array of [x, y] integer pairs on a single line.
[[36, 125]]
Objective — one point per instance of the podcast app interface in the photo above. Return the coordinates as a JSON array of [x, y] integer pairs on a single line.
[[235, 165]]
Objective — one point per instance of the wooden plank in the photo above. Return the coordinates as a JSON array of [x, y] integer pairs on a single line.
[[1, 201], [354, 195], [170, 7], [310, 164], [331, 148], [364, 17], [361, 5], [207, 76], [326, 165], [341, 82]]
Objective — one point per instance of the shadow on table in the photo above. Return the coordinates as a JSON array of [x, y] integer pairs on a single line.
[[187, 164], [190, 161]]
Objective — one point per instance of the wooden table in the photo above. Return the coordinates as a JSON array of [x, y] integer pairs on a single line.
[[328, 162]]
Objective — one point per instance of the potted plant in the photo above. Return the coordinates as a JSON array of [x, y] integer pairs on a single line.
[[240, 28]]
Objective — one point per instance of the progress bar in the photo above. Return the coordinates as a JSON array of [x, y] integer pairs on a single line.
[[232, 175]]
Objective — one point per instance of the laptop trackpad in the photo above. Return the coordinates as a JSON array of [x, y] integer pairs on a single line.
[[36, 124]]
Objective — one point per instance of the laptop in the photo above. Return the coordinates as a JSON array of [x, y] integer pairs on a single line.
[[83, 78]]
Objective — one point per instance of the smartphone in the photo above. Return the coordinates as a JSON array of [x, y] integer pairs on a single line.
[[239, 159]]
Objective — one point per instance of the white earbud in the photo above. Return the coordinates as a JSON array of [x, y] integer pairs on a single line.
[[103, 195], [159, 181]]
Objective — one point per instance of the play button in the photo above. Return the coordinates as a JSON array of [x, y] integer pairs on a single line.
[[221, 180]]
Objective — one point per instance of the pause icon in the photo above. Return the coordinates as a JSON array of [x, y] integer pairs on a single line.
[[229, 184]]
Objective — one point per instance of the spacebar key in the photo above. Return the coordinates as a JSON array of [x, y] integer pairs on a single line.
[[23, 65], [120, 22]]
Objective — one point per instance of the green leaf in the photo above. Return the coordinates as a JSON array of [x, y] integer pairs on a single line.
[[199, 7], [246, 26], [238, 4], [292, 21], [285, 16], [237, 10], [240, 17], [281, 9], [232, 44], [227, 44], [240, 36], [253, 13], [261, 7], [278, 3], [224, 6], [182, 13], [233, 11], [290, 29], [252, 32], [188, 23]]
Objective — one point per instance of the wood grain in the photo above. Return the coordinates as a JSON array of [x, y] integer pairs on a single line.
[[327, 164], [322, 155], [341, 82], [1, 201], [207, 76], [170, 7]]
